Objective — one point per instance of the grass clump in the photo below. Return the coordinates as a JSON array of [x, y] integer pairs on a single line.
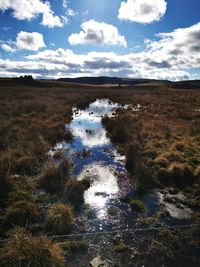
[[74, 191], [57, 132], [21, 249], [117, 130], [91, 215], [171, 238], [181, 174], [162, 161], [59, 219], [177, 174], [21, 213], [54, 177], [137, 205], [18, 195], [145, 222], [27, 165], [132, 157], [112, 211]]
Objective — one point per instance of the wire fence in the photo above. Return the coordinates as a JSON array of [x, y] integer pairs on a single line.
[[117, 231]]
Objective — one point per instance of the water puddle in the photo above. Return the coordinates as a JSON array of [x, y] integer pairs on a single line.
[[176, 210], [94, 157]]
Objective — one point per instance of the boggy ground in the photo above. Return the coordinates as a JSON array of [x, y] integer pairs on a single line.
[[160, 136]]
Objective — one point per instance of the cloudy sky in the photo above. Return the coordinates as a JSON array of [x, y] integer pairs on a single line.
[[125, 38]]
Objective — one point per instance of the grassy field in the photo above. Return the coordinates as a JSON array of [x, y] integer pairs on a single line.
[[160, 138]]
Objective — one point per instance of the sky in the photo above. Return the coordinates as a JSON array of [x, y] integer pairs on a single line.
[[157, 39]]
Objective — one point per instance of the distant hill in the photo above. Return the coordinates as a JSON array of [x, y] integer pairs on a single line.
[[99, 81], [192, 84], [113, 81], [110, 80]]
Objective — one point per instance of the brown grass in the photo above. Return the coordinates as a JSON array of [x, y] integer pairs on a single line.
[[22, 249], [161, 141], [54, 177], [21, 213], [74, 191], [59, 219]]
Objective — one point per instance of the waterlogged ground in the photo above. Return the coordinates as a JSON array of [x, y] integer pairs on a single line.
[[94, 157]]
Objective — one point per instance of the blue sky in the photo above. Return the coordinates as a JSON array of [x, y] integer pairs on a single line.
[[126, 38]]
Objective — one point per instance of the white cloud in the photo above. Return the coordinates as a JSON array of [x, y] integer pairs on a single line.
[[29, 41], [142, 11], [31, 9], [8, 48], [97, 33], [172, 56], [180, 48], [69, 12], [65, 3]]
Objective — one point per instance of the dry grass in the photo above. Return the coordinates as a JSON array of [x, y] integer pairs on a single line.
[[164, 130], [20, 213], [54, 177], [74, 191], [21, 249], [161, 141], [59, 219]]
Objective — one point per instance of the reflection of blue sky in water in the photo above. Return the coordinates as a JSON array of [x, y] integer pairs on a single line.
[[102, 160]]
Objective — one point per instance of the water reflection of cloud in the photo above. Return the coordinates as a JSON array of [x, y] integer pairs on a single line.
[[103, 185], [91, 139], [86, 124]]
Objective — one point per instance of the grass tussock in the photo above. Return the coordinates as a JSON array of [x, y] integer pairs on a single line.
[[145, 222], [21, 213], [137, 205], [59, 219], [21, 249], [178, 174], [54, 177], [73, 192], [171, 238]]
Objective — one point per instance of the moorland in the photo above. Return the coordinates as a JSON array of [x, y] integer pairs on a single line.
[[159, 135]]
